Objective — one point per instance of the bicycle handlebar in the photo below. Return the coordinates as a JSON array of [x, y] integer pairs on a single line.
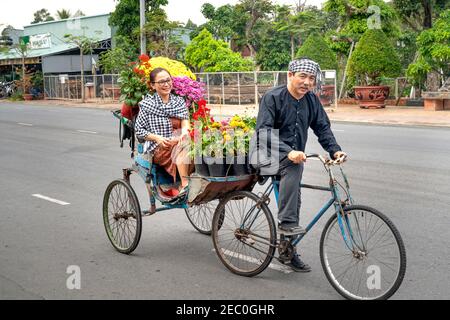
[[125, 121], [327, 161]]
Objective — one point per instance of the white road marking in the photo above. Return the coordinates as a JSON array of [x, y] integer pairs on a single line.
[[337, 130], [25, 124], [40, 196], [250, 259], [86, 131]]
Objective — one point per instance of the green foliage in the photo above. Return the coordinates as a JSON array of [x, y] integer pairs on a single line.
[[132, 88], [374, 57], [318, 50], [355, 17], [434, 50], [16, 96], [118, 58], [126, 15], [37, 80], [160, 34], [417, 71], [63, 14], [42, 16], [251, 23], [220, 21], [85, 44], [210, 55], [417, 14], [274, 55]]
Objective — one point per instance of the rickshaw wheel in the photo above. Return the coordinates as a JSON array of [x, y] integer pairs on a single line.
[[122, 216], [201, 216], [243, 233]]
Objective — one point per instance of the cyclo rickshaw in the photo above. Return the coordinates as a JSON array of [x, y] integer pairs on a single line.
[[361, 251]]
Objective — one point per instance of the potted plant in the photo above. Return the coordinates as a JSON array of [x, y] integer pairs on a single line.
[[133, 86], [37, 84], [374, 58], [317, 49], [25, 84], [241, 130]]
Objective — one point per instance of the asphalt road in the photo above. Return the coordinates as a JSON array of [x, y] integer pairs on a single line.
[[71, 154]]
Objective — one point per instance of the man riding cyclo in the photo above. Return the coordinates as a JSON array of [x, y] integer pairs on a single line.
[[285, 114]]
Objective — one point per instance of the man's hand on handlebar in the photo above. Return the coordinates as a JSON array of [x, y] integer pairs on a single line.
[[297, 156], [340, 157]]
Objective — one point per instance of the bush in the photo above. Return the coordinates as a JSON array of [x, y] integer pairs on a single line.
[[318, 50], [374, 57], [206, 54]]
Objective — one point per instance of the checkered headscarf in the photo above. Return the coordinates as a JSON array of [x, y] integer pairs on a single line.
[[308, 66]]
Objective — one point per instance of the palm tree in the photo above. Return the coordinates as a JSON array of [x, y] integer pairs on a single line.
[[63, 14]]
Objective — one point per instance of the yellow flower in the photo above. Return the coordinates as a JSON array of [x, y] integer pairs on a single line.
[[176, 68], [216, 125]]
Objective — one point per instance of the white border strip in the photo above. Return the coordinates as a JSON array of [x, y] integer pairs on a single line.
[[40, 196]]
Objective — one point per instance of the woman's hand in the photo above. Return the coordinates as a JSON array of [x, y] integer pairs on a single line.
[[161, 141]]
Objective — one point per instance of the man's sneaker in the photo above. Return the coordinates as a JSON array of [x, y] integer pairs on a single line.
[[298, 265], [291, 231]]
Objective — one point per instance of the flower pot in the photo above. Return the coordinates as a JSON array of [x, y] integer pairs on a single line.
[[372, 96], [326, 95], [201, 168], [217, 167], [28, 97], [129, 112], [239, 166]]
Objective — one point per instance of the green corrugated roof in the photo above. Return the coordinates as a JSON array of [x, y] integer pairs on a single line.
[[95, 27]]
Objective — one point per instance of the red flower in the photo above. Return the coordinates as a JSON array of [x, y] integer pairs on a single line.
[[144, 58], [201, 103], [136, 70]]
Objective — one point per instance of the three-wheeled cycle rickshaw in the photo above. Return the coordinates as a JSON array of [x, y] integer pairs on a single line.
[[361, 251]]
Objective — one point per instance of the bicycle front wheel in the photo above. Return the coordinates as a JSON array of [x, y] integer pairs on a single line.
[[122, 216], [372, 263], [244, 234]]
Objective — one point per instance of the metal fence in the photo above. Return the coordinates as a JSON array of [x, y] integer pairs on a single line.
[[247, 88], [69, 87]]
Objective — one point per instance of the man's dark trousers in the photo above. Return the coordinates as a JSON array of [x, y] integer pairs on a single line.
[[289, 200]]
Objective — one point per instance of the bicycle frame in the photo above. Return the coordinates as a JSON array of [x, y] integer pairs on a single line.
[[335, 200]]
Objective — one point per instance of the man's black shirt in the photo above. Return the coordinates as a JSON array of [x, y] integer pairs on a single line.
[[280, 110]]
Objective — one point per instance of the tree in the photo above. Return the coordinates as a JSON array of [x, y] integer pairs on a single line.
[[374, 58], [160, 34], [356, 16], [296, 25], [206, 54], [63, 14], [126, 15], [220, 21], [251, 14], [42, 16], [22, 49], [434, 52], [274, 55], [117, 59], [78, 13], [85, 45], [318, 50], [418, 14], [190, 25]]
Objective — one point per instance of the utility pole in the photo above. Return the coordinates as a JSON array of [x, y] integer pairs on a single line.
[[142, 24]]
